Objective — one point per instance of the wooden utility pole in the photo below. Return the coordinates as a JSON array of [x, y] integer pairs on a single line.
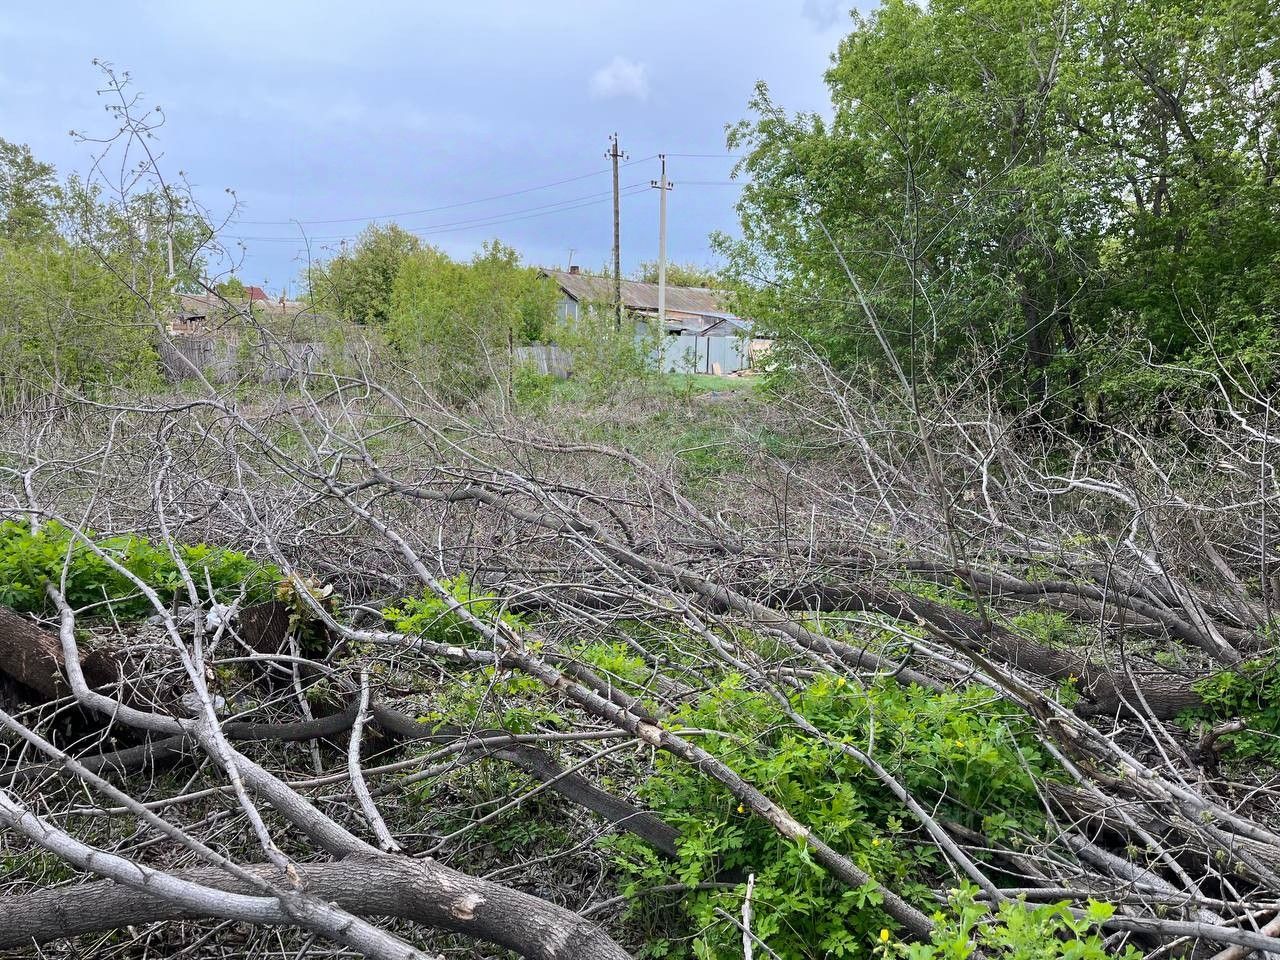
[[615, 154], [664, 185]]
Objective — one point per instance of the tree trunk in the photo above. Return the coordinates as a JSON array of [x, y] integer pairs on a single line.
[[422, 891]]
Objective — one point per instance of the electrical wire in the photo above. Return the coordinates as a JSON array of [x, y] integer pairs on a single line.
[[561, 206], [495, 219], [447, 206]]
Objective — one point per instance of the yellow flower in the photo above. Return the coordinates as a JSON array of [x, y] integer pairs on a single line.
[[884, 934], [959, 743], [741, 808], [840, 681], [875, 842], [1072, 679]]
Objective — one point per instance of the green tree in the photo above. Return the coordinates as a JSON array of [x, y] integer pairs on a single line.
[[1024, 179], [1179, 111], [231, 289], [66, 320], [131, 237], [679, 274], [357, 283], [29, 194], [457, 320]]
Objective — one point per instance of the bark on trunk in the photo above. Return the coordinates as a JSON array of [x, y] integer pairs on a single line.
[[425, 892], [32, 657]]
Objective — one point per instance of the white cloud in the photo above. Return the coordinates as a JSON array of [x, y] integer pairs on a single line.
[[620, 77], [823, 13]]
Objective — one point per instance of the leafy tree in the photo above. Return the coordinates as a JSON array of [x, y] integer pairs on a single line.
[[29, 194], [231, 289], [679, 274], [1178, 111], [458, 319], [357, 283], [131, 237], [66, 319], [1027, 179], [83, 281]]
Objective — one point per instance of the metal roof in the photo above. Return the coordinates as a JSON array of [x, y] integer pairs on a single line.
[[640, 296]]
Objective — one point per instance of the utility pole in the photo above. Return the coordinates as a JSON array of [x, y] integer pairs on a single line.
[[615, 154], [665, 185]]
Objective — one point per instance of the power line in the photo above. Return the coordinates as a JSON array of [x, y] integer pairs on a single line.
[[447, 206], [460, 225], [495, 219]]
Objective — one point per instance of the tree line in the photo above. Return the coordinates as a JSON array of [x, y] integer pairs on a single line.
[[454, 320], [1080, 194], [84, 276]]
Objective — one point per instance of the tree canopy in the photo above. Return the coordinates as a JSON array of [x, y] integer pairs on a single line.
[[679, 274], [83, 278], [1068, 188], [458, 319], [356, 283]]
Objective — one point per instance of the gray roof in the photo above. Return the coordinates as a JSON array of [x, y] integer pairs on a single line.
[[639, 296], [727, 326]]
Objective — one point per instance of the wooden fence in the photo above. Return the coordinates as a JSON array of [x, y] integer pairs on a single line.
[[223, 359], [227, 359], [547, 359]]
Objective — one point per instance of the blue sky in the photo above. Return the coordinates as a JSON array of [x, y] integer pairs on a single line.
[[340, 112]]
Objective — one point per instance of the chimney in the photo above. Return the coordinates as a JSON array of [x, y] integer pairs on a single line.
[[573, 268]]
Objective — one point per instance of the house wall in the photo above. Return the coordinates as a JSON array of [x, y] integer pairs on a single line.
[[567, 308], [687, 353]]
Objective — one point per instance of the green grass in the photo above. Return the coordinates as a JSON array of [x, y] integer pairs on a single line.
[[705, 382]]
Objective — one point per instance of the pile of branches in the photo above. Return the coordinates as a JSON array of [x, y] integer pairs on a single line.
[[885, 542]]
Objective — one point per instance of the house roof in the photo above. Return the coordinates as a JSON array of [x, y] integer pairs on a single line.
[[197, 305], [727, 326], [640, 296]]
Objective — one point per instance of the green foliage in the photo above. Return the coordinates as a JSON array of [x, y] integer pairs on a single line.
[[1016, 932], [533, 390], [1249, 692], [83, 278], [680, 274], [313, 637], [605, 359], [1050, 627], [231, 288], [961, 752], [66, 319], [28, 562], [517, 701], [356, 284], [707, 452], [28, 194], [457, 321], [433, 618], [1065, 190]]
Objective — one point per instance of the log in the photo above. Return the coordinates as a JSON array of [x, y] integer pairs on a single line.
[[31, 657], [367, 885]]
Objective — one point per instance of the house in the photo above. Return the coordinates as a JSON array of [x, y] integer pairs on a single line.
[[194, 313], [699, 335], [207, 313]]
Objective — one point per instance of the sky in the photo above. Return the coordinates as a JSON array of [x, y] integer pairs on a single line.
[[462, 121]]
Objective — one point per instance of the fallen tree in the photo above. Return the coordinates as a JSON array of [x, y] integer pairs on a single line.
[[579, 542]]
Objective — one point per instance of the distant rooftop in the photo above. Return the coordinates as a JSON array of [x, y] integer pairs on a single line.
[[593, 288]]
